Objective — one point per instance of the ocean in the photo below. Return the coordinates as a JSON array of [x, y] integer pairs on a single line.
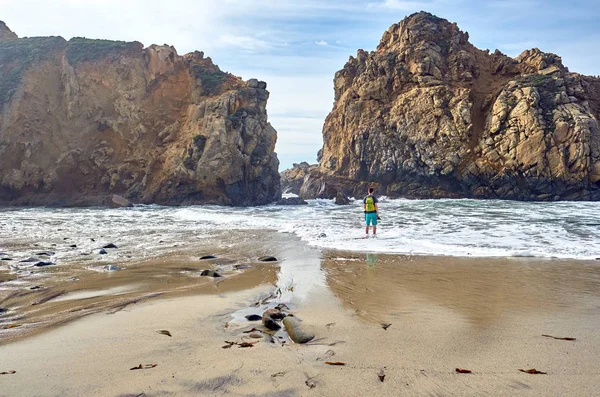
[[475, 228]]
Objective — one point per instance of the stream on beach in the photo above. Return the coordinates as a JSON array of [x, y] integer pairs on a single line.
[[53, 267]]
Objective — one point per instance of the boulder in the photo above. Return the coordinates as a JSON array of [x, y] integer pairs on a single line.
[[341, 199], [296, 331]]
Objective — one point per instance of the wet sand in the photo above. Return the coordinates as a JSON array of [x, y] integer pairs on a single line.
[[485, 315]]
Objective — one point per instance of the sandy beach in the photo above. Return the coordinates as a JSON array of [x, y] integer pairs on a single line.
[[442, 313]]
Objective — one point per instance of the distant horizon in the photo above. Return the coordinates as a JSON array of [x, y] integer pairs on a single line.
[[297, 48]]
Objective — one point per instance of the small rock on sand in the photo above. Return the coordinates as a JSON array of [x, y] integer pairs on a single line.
[[210, 273], [110, 245], [253, 317], [44, 264], [267, 259], [294, 329], [205, 257], [102, 251], [270, 317]]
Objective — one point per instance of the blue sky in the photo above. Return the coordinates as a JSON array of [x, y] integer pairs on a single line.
[[297, 46]]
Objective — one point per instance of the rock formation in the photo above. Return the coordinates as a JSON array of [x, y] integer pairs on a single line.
[[429, 115], [81, 120]]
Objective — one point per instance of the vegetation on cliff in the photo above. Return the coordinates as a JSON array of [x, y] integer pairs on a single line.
[[17, 55], [81, 49]]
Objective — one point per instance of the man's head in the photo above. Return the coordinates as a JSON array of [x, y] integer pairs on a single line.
[[371, 190]]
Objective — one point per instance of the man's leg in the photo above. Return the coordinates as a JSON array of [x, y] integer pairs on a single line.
[[374, 230]]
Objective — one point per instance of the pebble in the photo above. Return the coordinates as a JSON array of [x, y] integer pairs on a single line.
[[267, 259], [46, 253], [44, 264], [241, 267], [210, 273], [253, 317], [73, 245], [208, 257], [110, 245], [255, 335], [112, 268], [102, 251]]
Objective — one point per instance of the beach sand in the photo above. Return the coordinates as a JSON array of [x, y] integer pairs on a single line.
[[485, 315]]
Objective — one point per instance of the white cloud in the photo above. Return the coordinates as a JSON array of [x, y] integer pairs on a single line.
[[321, 42]]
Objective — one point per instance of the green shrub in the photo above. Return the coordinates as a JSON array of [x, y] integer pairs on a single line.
[[210, 78], [81, 49]]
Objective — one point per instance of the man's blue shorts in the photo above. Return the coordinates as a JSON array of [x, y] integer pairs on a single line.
[[371, 218]]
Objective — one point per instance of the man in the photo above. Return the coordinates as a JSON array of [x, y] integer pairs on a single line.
[[370, 206]]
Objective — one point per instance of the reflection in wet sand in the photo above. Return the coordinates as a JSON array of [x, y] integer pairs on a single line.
[[49, 296], [482, 292]]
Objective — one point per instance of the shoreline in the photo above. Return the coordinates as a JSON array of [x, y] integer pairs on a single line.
[[445, 313]]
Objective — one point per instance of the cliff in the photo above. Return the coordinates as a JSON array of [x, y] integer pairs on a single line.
[[429, 115], [83, 119]]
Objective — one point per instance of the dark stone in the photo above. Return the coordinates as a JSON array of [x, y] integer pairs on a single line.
[[73, 245], [267, 259], [253, 317], [35, 287], [292, 201], [46, 253], [322, 235], [208, 257], [6, 259], [111, 245], [270, 317], [3, 310], [210, 273], [241, 267], [102, 251], [44, 264], [3, 254], [341, 199]]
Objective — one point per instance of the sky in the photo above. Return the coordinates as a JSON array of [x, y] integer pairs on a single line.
[[296, 46]]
